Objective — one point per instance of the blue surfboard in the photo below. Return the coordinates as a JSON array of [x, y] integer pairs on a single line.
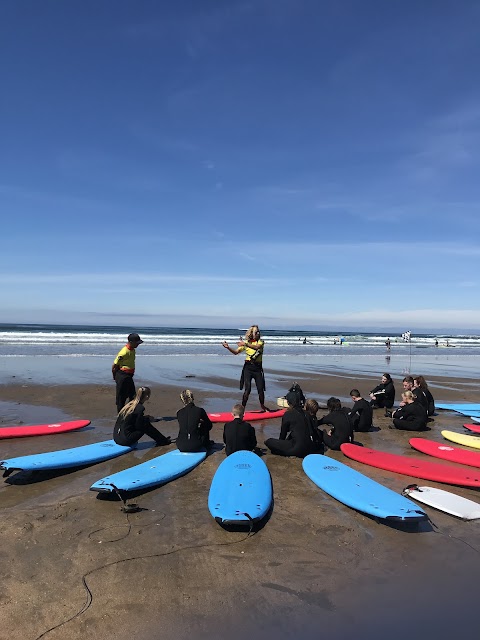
[[241, 490], [464, 408], [76, 457], [358, 491], [160, 470]]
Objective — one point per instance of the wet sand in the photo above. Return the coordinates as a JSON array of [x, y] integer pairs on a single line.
[[315, 567]]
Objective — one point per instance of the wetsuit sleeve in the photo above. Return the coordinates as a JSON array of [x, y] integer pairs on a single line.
[[285, 428], [253, 438], [401, 412], [354, 409], [207, 423], [139, 417], [377, 389]]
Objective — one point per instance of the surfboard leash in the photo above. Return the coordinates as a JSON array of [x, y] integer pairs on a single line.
[[252, 522], [89, 597]]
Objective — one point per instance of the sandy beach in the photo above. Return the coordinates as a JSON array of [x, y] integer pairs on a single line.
[[78, 565]]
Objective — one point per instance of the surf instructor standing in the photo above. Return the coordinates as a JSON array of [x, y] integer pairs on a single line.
[[252, 369], [123, 369]]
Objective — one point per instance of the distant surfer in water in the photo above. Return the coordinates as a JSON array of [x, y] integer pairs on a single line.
[[252, 368]]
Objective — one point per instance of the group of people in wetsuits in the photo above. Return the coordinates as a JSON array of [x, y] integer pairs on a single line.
[[415, 409], [300, 432], [194, 426]]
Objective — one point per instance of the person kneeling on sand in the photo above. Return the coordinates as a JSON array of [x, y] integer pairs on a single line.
[[341, 429], [298, 433], [132, 424], [195, 425], [411, 416], [237, 434], [361, 414]]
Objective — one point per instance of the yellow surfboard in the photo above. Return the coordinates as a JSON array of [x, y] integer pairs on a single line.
[[461, 438], [282, 402]]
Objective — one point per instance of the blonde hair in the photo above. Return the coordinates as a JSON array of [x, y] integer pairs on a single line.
[[250, 334], [186, 396], [408, 395], [311, 406], [143, 394]]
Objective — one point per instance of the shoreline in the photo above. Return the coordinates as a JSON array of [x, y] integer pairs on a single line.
[[223, 371], [314, 564]]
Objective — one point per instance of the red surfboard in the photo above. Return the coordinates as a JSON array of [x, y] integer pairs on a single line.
[[473, 427], [446, 452], [42, 429], [250, 416], [415, 467]]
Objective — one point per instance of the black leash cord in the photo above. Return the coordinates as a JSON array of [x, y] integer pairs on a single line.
[[89, 598]]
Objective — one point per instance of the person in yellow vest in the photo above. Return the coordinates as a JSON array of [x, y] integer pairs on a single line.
[[123, 369], [253, 368]]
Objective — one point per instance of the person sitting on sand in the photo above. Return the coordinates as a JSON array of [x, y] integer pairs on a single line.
[[383, 396], [411, 416], [341, 429], [419, 383], [361, 413], [237, 434], [298, 433], [132, 424], [311, 408], [195, 425], [252, 368]]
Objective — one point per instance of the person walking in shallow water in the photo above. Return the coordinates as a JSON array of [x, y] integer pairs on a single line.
[[252, 368], [123, 369]]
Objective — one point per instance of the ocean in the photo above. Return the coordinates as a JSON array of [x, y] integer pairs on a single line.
[[56, 354], [18, 340]]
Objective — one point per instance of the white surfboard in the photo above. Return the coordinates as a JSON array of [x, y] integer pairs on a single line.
[[444, 501]]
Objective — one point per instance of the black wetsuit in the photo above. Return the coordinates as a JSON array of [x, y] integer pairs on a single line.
[[431, 402], [194, 430], [361, 415], [252, 371], [341, 427], [129, 430], [384, 395], [421, 397], [239, 436], [125, 389], [411, 417], [298, 435]]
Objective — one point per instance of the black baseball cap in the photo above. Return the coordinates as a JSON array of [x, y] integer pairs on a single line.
[[134, 337]]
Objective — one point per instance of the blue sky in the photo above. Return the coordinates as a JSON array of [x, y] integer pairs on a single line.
[[287, 162]]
